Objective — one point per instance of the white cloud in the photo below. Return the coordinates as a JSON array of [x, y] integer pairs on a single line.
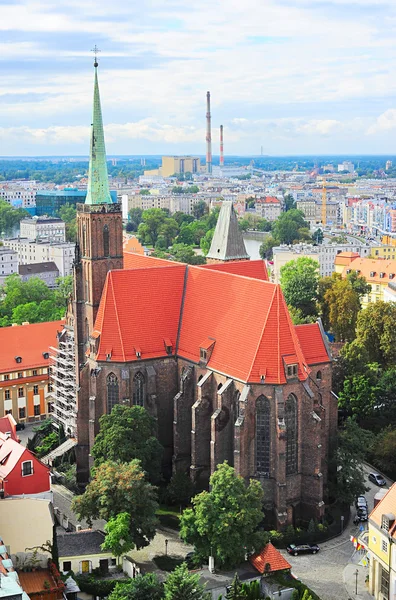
[[385, 122]]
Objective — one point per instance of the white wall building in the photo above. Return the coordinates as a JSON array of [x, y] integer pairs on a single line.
[[62, 253], [8, 263], [49, 229], [18, 196]]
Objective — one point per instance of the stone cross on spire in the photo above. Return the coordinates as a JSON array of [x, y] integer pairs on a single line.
[[98, 191]]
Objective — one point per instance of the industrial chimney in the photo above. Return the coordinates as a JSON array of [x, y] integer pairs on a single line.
[[208, 136], [221, 147]]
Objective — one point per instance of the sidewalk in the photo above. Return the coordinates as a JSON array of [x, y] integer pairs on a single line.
[[351, 572]]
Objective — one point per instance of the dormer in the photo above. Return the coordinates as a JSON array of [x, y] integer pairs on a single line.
[[205, 350], [372, 273], [45, 355], [391, 275], [168, 346], [108, 353], [291, 366], [348, 271], [382, 275], [387, 521], [138, 352], [18, 359]]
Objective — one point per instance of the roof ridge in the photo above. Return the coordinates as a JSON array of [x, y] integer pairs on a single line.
[[262, 330], [181, 308], [278, 325], [110, 276]]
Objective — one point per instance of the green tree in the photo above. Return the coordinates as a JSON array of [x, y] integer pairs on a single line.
[[359, 284], [180, 489], [63, 291], [135, 218], [286, 228], [235, 591], [290, 203], [299, 281], [360, 392], [118, 538], [181, 217], [376, 331], [266, 247], [384, 451], [116, 488], [317, 236], [206, 241], [149, 229], [144, 587], [10, 217], [225, 520], [129, 432], [343, 309], [200, 209], [184, 253], [182, 585], [169, 230], [145, 192]]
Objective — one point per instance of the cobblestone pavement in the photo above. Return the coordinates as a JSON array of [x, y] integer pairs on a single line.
[[331, 572], [25, 434]]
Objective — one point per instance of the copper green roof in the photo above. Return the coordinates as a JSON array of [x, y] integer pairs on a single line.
[[98, 182]]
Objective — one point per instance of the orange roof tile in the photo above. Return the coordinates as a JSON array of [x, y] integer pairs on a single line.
[[139, 309], [248, 268], [29, 342], [8, 425], [139, 261], [385, 506], [269, 556], [312, 343], [345, 258], [268, 200], [367, 266]]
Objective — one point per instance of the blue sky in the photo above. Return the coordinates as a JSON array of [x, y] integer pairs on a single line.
[[295, 77]]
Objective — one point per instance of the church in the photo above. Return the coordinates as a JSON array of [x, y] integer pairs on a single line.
[[210, 351]]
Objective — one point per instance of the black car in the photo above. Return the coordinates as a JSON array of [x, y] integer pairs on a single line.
[[361, 515], [20, 426], [297, 549], [377, 479]]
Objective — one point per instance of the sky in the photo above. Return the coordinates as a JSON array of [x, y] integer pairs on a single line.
[[290, 76]]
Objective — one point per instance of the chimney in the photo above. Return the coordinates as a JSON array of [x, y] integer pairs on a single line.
[[208, 136], [221, 147]]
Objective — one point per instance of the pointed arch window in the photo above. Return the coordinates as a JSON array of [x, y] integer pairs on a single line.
[[106, 241], [291, 434], [138, 389], [113, 393], [263, 436]]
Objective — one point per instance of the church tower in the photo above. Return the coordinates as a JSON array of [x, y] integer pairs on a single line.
[[98, 250], [227, 243]]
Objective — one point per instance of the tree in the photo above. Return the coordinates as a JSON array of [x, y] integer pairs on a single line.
[[118, 538], [299, 281], [290, 203], [286, 228], [68, 214], [169, 230], [343, 309], [180, 488], [360, 392], [225, 520], [149, 229], [200, 209], [235, 591], [384, 451], [184, 253], [359, 284], [181, 217], [129, 432], [116, 488], [206, 241], [266, 247], [10, 217], [144, 587], [317, 236], [376, 331], [135, 218], [145, 192], [182, 585]]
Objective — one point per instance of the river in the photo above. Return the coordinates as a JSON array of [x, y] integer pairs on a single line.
[[252, 245]]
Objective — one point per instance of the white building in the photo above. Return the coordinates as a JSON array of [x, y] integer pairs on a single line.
[[49, 229], [62, 253], [268, 208], [347, 165], [18, 196], [8, 263]]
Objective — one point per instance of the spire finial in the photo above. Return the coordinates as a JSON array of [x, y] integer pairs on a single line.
[[95, 50]]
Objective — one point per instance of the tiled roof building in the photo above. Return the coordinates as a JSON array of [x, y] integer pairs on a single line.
[[211, 353]]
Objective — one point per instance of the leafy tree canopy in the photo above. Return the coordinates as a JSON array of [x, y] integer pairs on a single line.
[[225, 520], [376, 331], [10, 217], [126, 433], [299, 280], [286, 228], [182, 585], [117, 488], [144, 587], [118, 538]]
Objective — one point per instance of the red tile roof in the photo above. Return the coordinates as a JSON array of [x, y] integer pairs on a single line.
[[10, 453], [29, 342], [247, 268], [268, 200], [312, 343], [139, 261], [269, 556], [138, 310], [8, 425]]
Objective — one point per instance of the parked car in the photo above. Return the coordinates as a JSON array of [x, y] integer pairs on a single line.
[[361, 515], [361, 502], [296, 549], [20, 426], [377, 479]]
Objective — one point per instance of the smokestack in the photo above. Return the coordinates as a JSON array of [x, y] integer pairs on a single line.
[[221, 147], [208, 136]]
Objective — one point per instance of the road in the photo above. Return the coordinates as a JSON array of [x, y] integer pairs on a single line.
[[331, 572]]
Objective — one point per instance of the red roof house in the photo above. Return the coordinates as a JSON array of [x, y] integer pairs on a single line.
[[8, 427], [269, 560], [21, 472]]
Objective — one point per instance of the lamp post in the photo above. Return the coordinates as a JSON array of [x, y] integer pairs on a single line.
[[356, 581], [166, 547]]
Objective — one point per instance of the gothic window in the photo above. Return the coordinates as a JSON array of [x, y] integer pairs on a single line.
[[263, 436], [138, 389], [319, 375], [237, 395], [84, 239], [106, 243], [112, 392], [291, 434]]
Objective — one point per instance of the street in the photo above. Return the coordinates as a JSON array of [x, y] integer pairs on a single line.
[[332, 572]]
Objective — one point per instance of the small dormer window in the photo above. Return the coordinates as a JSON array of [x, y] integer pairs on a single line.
[[18, 359], [292, 370], [387, 521], [138, 352], [391, 275], [203, 354], [168, 346], [45, 355], [372, 273], [348, 271], [382, 275]]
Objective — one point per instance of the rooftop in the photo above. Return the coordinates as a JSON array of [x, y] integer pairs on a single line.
[[269, 556], [80, 543], [38, 268], [386, 506]]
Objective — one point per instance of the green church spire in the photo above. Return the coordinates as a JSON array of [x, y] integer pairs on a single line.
[[98, 182]]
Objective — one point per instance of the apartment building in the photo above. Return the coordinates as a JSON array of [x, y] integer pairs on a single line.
[[378, 273], [61, 253], [312, 210], [382, 547], [269, 208], [18, 196], [49, 229], [25, 388], [8, 263]]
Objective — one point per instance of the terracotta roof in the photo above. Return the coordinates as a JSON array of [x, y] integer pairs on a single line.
[[268, 200], [8, 425], [29, 342], [312, 343], [10, 453], [139, 309], [269, 556], [345, 258], [247, 268], [139, 261], [372, 268], [385, 506], [132, 244]]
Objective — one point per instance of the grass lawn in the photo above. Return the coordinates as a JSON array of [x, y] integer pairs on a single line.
[[169, 516]]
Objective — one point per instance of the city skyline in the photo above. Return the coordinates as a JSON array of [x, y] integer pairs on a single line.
[[310, 77]]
